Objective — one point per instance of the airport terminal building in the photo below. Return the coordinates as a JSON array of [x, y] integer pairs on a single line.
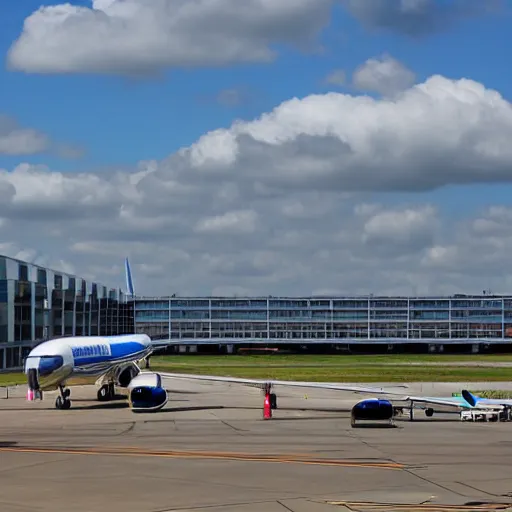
[[352, 323], [37, 303]]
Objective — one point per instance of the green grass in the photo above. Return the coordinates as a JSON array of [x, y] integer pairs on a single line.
[[334, 368], [329, 368], [345, 374], [328, 359], [11, 379]]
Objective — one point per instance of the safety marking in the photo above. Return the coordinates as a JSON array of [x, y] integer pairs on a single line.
[[367, 506], [139, 452]]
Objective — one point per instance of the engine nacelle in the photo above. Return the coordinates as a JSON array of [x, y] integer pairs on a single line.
[[372, 409], [146, 394]]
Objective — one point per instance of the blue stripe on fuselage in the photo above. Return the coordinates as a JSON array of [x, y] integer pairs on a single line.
[[126, 349], [118, 351]]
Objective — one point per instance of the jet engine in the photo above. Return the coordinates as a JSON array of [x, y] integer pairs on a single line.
[[373, 409], [146, 394]]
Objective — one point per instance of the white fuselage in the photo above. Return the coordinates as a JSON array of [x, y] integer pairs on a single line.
[[84, 359]]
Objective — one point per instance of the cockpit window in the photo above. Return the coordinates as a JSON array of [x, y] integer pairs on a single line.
[[48, 364]]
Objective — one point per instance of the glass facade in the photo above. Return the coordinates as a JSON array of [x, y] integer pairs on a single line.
[[326, 319], [37, 303]]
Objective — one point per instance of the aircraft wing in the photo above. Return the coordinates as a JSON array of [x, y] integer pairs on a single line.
[[261, 383], [458, 402]]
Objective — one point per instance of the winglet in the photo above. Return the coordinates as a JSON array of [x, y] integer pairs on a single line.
[[470, 398], [129, 281]]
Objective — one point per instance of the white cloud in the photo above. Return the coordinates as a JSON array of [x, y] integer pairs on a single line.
[[401, 230], [290, 202], [384, 75], [342, 142], [141, 37], [134, 37], [241, 222]]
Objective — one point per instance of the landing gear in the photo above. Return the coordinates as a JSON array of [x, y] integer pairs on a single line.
[[106, 392], [429, 412], [63, 402]]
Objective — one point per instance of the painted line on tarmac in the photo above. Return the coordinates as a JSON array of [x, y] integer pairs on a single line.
[[248, 457], [367, 506]]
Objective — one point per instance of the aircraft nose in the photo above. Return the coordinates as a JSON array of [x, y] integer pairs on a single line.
[[41, 367]]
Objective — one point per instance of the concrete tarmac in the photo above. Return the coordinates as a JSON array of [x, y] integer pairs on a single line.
[[210, 450]]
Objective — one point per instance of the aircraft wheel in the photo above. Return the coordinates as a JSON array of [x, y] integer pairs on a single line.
[[62, 403], [103, 393], [429, 412]]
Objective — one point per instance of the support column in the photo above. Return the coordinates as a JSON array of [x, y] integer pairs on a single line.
[[268, 319], [170, 320], [369, 318], [32, 311], [10, 310]]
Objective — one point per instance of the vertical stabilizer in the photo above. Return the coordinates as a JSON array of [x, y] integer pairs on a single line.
[[470, 398], [129, 281]]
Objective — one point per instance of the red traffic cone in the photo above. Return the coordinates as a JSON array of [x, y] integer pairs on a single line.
[[267, 409]]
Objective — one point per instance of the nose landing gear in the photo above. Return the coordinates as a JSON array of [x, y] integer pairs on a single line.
[[63, 401]]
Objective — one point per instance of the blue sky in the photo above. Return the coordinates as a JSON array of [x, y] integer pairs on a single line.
[[120, 120]]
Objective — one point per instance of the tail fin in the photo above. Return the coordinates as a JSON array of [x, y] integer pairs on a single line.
[[129, 281], [470, 398]]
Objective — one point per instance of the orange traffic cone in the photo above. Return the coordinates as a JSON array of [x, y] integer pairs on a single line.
[[267, 409]]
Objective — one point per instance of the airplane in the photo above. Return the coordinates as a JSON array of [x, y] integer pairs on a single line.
[[107, 361]]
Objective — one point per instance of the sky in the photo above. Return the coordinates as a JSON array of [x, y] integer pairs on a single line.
[[255, 147]]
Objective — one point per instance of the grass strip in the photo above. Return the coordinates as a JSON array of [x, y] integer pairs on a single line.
[[328, 359], [328, 368]]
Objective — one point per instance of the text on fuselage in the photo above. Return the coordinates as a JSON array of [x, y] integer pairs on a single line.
[[91, 350]]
